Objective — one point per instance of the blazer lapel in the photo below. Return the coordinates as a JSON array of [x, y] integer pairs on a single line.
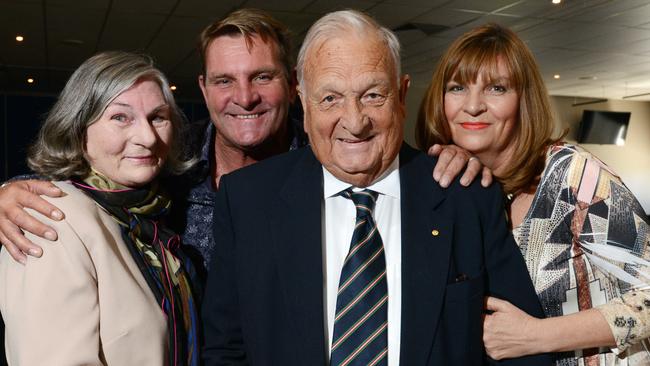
[[426, 248], [296, 229]]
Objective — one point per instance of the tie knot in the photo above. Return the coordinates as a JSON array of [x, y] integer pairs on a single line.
[[364, 200]]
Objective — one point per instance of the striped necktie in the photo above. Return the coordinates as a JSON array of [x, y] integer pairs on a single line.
[[361, 322]]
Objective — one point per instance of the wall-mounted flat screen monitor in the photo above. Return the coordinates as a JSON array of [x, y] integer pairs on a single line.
[[603, 127]]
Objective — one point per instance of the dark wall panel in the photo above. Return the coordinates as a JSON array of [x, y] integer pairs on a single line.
[[23, 116], [194, 111], [4, 141]]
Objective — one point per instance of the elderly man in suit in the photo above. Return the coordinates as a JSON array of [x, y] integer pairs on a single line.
[[346, 252]]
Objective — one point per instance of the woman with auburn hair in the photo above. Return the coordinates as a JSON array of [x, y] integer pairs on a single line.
[[115, 288], [580, 230]]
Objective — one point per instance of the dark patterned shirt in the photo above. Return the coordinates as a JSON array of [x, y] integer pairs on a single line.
[[193, 195]]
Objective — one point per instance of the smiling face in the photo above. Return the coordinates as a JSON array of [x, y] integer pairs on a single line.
[[483, 115], [247, 92], [130, 142], [354, 107]]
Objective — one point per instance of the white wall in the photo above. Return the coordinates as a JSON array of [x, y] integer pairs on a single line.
[[631, 161]]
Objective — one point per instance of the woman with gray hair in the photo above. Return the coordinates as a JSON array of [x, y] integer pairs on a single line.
[[117, 289]]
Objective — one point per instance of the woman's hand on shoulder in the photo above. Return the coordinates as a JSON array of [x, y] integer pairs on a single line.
[[451, 162]]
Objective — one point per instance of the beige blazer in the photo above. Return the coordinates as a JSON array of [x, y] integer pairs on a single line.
[[84, 302]]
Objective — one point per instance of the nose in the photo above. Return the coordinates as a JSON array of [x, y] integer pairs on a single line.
[[246, 95], [353, 118], [474, 104], [144, 133]]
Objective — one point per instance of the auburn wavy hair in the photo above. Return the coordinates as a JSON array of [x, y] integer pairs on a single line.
[[479, 51]]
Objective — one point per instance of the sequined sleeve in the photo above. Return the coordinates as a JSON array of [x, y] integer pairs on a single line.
[[628, 317]]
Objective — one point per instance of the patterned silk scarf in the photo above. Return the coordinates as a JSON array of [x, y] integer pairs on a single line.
[[157, 252]]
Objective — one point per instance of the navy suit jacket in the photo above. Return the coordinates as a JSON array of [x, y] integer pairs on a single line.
[[264, 298]]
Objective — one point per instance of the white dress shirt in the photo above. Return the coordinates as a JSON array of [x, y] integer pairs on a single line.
[[339, 220]]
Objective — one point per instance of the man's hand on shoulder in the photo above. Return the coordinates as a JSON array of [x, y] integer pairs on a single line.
[[14, 198], [451, 162]]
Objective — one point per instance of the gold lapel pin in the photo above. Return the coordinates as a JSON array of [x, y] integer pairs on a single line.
[[435, 232]]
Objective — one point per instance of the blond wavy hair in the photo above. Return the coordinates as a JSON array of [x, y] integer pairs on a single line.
[[248, 23]]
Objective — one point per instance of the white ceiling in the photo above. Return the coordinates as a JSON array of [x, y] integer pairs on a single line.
[[601, 48]]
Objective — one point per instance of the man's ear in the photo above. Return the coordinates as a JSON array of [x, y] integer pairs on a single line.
[[303, 102], [201, 80], [405, 83]]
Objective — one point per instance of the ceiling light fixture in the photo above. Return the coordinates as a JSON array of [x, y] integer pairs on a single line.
[[635, 95], [30, 80], [72, 42], [20, 38], [556, 76], [598, 100], [173, 87], [556, 1]]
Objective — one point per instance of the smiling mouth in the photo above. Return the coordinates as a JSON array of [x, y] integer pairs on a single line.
[[475, 125], [247, 116], [355, 141], [143, 159]]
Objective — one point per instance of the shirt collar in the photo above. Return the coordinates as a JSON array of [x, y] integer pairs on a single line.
[[208, 141], [387, 184]]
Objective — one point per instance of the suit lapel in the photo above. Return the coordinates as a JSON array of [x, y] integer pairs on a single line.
[[296, 230], [297, 237], [425, 256]]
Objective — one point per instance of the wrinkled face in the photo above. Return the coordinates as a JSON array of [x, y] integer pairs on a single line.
[[354, 107], [483, 115], [246, 91], [130, 142]]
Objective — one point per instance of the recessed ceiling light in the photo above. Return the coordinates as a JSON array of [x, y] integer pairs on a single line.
[[20, 38], [556, 76], [556, 1], [173, 87], [30, 80]]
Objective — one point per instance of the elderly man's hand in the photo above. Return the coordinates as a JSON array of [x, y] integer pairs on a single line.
[[451, 161], [14, 198]]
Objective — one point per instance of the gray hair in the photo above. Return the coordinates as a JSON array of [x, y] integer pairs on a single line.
[[341, 23], [58, 152]]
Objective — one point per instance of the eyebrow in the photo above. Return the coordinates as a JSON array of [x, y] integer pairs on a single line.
[[253, 73], [500, 79], [112, 104], [126, 105], [161, 106], [334, 86], [267, 70]]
